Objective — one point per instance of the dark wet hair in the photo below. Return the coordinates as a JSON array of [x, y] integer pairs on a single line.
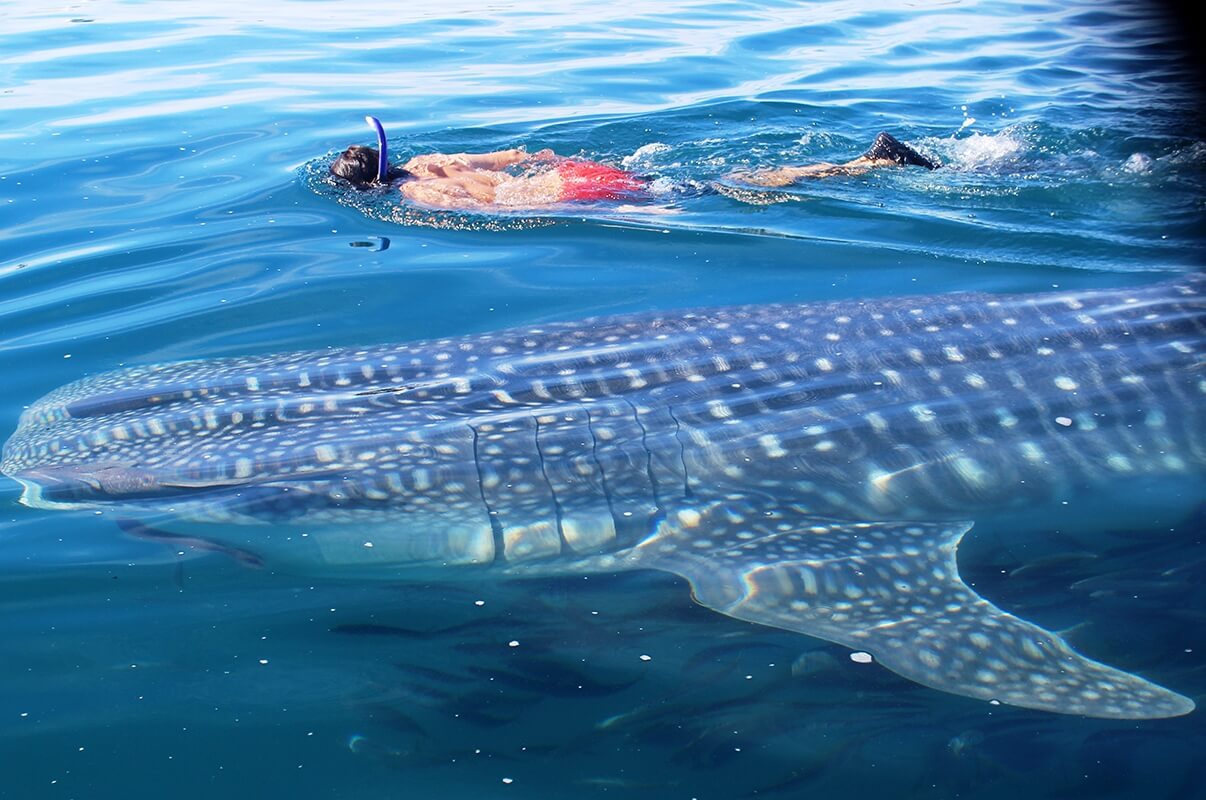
[[358, 166]]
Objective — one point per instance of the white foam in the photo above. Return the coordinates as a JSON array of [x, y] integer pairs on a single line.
[[663, 186], [985, 150], [643, 154], [1138, 164]]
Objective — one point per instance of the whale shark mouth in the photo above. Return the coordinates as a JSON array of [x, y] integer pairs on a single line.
[[86, 486]]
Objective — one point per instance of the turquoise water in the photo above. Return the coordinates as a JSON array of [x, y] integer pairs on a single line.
[[163, 197]]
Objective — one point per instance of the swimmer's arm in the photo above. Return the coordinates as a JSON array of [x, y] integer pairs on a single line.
[[499, 159], [443, 164]]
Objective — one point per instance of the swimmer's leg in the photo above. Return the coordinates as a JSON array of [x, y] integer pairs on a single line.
[[885, 151], [785, 176]]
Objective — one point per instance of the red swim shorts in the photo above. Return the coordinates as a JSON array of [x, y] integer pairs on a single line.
[[590, 180]]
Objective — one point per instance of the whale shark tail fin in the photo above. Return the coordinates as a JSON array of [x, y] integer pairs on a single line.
[[891, 589], [887, 147]]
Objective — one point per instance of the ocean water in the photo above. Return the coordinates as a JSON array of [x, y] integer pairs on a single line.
[[163, 196]]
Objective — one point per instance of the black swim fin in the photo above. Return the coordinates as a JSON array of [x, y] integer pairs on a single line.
[[890, 148]]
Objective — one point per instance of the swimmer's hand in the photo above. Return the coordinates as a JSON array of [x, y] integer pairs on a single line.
[[516, 155], [542, 155]]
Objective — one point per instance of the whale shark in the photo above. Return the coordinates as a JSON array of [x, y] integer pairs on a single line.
[[811, 467]]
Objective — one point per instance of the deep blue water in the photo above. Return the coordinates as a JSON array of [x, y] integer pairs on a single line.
[[162, 197]]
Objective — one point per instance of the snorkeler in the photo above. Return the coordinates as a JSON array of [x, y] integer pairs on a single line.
[[468, 181]]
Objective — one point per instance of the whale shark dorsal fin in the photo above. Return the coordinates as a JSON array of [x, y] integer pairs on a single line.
[[891, 589]]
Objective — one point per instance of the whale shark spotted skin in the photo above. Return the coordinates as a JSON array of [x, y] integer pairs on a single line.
[[809, 467]]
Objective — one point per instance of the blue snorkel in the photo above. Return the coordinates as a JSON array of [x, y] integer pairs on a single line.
[[382, 148]]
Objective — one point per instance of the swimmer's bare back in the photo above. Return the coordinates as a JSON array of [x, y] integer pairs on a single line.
[[473, 181], [478, 182]]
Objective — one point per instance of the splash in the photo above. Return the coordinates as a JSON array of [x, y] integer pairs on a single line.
[[1138, 164], [643, 155], [985, 151]]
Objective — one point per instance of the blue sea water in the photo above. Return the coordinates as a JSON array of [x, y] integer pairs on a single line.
[[162, 196]]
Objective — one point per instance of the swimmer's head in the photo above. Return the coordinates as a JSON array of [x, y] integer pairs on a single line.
[[358, 166], [363, 166]]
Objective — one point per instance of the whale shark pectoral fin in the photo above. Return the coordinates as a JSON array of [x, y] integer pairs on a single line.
[[892, 589]]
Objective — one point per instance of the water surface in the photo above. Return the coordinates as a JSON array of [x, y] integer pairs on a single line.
[[163, 197]]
